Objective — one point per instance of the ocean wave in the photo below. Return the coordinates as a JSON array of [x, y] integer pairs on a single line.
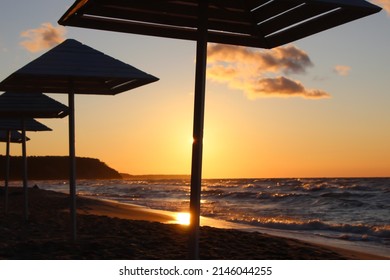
[[239, 195], [279, 196], [313, 187], [348, 194], [352, 205], [382, 231], [247, 194]]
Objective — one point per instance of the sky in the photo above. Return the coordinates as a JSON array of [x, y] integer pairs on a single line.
[[318, 107]]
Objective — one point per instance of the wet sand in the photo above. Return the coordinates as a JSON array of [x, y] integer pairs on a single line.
[[112, 231]]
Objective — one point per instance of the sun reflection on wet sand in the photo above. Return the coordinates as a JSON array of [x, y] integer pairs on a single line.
[[183, 218]]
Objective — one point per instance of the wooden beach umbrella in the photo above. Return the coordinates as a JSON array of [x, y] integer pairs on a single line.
[[22, 106], [11, 136], [252, 23], [34, 104], [75, 68], [9, 126]]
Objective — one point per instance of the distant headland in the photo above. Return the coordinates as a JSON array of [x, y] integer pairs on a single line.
[[155, 177], [57, 168]]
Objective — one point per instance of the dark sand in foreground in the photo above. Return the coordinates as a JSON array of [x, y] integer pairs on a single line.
[[115, 231]]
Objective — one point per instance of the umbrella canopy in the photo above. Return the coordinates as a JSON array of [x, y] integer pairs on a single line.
[[253, 23], [72, 67], [14, 137], [31, 105], [15, 124]]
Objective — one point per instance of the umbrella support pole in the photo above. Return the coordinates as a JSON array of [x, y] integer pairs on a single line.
[[197, 146], [7, 163], [25, 186], [72, 163]]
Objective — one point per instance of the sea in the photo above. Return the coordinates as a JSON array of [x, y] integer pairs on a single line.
[[345, 212]]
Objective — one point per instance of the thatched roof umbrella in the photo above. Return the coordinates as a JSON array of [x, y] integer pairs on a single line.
[[75, 68], [252, 23]]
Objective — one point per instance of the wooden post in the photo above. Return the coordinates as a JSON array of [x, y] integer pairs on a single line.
[[72, 163], [25, 183], [197, 146], [7, 164]]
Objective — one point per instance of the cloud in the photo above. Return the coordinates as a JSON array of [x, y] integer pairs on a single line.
[[43, 37], [284, 87], [258, 72], [385, 4], [342, 70], [287, 59]]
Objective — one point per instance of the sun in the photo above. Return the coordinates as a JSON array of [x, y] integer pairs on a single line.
[[183, 218]]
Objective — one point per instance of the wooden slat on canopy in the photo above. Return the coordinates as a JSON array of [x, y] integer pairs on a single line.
[[254, 23]]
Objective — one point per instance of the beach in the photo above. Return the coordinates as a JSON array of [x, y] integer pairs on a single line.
[[113, 231]]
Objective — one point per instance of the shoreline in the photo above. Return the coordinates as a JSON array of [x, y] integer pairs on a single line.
[[169, 217], [111, 230]]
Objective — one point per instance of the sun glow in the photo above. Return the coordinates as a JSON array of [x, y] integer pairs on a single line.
[[183, 218]]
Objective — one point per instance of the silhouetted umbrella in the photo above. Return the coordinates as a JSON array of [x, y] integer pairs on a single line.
[[253, 23], [74, 68], [31, 105], [9, 136], [16, 124], [24, 124], [22, 106]]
